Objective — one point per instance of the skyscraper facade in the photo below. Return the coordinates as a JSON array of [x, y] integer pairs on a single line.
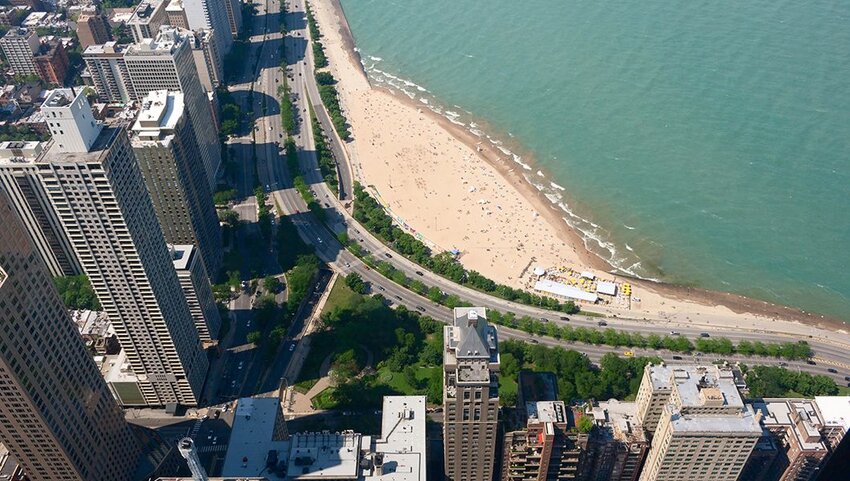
[[95, 186], [704, 431], [56, 414], [20, 47], [109, 73], [197, 290], [164, 141], [93, 30], [470, 395], [166, 63], [210, 15]]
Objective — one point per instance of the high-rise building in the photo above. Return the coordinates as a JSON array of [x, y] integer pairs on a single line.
[[51, 64], [95, 186], [547, 448], [20, 46], [234, 15], [197, 290], [207, 59], [164, 141], [109, 73], [56, 414], [704, 431], [618, 444], [166, 63], [19, 179], [93, 30], [210, 15], [470, 395], [148, 17], [797, 442], [177, 15]]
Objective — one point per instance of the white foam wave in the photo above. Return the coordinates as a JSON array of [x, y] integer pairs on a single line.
[[375, 59], [628, 227], [556, 186]]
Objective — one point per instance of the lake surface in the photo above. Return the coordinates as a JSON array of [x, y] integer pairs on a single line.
[[700, 143]]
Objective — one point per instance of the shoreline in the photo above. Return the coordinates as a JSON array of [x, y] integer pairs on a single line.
[[512, 173]]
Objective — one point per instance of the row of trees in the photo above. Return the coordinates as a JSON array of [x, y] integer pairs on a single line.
[[372, 215], [772, 381], [264, 216], [612, 337], [327, 163], [578, 379], [330, 98], [287, 111]]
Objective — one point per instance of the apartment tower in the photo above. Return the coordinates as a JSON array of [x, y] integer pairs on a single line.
[[704, 431], [164, 141], [20, 46], [93, 30], [95, 186], [166, 63], [109, 73], [148, 17], [56, 414], [27, 195], [234, 15], [211, 15], [470, 395]]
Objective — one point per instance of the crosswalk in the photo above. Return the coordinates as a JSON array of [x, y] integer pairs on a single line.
[[195, 428]]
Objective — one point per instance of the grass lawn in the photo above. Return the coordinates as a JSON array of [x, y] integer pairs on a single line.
[[843, 390], [507, 385], [340, 295], [398, 382], [324, 400]]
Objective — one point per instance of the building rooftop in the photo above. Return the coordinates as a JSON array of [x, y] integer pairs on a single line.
[[116, 369], [111, 47], [144, 12], [164, 44], [746, 422], [181, 254], [835, 410], [546, 412], [798, 416], [402, 443], [698, 386], [621, 418], [19, 152], [252, 437], [96, 153], [160, 112]]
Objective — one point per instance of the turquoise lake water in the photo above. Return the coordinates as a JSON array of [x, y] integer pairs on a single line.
[[700, 143]]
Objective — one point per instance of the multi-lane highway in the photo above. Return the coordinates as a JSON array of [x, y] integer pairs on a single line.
[[832, 349]]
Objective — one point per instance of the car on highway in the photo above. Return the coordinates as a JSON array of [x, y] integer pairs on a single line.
[[420, 273], [381, 288], [811, 363], [420, 308], [704, 334], [533, 341], [601, 323], [388, 255], [674, 333], [847, 378], [629, 354], [677, 358], [832, 370], [292, 347], [543, 319], [564, 318], [398, 297], [319, 239]]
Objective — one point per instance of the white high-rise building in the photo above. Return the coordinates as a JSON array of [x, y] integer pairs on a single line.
[[704, 431], [147, 19], [70, 120], [210, 15], [197, 290], [100, 198], [166, 63]]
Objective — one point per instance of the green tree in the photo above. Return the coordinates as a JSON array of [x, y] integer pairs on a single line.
[[355, 283], [254, 337], [77, 293], [271, 284], [585, 424]]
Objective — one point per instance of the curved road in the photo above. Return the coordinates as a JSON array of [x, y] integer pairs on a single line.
[[831, 348]]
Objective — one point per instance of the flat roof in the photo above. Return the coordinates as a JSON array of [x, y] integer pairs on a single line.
[[181, 254], [546, 411], [607, 288], [783, 412], [325, 455], [251, 437], [402, 440], [563, 290], [161, 110], [743, 423], [691, 379], [835, 410]]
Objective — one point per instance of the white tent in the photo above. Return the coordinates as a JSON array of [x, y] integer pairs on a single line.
[[539, 271], [605, 287], [563, 290], [588, 275]]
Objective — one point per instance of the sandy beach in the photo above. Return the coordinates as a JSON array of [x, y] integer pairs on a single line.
[[439, 181]]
